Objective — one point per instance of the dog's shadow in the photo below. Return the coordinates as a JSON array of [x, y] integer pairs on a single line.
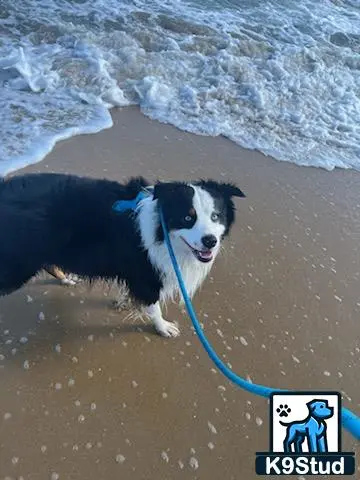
[[44, 314]]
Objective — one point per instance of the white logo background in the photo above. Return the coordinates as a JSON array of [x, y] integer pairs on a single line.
[[299, 411]]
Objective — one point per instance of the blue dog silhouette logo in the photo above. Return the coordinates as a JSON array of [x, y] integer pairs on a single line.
[[312, 429], [305, 436], [305, 422]]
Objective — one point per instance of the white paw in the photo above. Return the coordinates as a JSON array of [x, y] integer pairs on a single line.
[[167, 329], [70, 280]]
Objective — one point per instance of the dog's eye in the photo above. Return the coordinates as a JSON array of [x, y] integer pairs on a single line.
[[214, 217], [188, 218]]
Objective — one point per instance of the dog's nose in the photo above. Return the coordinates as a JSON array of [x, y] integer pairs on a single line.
[[209, 241]]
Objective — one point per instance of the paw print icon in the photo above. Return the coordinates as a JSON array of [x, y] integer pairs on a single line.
[[283, 410]]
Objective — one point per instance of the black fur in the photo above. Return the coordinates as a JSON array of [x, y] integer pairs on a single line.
[[68, 221], [175, 199]]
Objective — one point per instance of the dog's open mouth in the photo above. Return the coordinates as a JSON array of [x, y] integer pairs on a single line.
[[202, 255]]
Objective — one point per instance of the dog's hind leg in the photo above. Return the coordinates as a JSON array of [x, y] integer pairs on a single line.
[[287, 445], [57, 273], [291, 438], [298, 444]]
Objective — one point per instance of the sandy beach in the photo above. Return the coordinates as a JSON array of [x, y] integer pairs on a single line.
[[88, 393]]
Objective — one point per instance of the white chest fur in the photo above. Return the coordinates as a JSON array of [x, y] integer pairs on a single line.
[[193, 271]]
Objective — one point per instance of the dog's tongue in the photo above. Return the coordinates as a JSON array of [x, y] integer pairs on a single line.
[[205, 254]]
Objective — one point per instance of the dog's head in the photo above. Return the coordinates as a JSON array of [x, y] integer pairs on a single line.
[[197, 215], [320, 409]]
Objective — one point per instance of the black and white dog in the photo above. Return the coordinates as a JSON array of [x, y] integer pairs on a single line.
[[69, 221]]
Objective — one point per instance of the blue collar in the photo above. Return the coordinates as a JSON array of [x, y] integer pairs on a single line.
[[121, 206]]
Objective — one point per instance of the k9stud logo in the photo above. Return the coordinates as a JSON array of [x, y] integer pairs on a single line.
[[305, 436]]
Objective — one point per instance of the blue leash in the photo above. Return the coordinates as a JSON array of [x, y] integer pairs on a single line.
[[350, 421]]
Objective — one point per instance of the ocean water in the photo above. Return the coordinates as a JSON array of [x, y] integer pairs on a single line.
[[279, 76]]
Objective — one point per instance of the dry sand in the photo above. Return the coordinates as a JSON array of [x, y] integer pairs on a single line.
[[89, 394]]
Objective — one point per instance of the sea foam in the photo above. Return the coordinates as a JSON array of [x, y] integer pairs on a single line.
[[280, 77]]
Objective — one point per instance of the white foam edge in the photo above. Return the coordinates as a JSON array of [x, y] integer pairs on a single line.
[[45, 144]]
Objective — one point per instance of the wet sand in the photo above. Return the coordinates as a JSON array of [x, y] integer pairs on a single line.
[[87, 393]]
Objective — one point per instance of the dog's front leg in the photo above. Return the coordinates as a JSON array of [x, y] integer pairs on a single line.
[[322, 444], [162, 326], [312, 442], [148, 296]]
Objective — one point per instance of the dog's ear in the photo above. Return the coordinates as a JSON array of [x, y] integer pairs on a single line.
[[163, 191], [231, 190], [169, 191], [311, 405], [135, 184], [225, 189]]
